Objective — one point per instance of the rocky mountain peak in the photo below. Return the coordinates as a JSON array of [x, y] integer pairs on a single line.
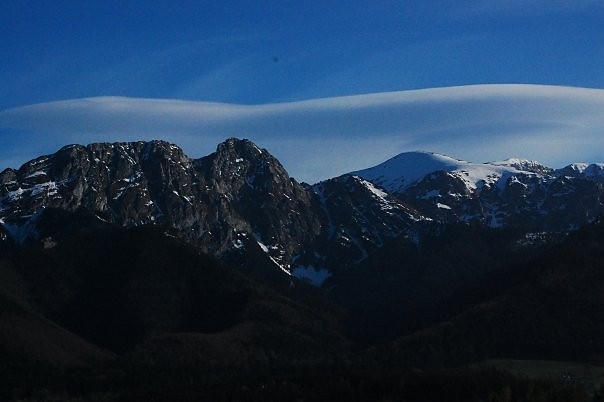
[[240, 164], [240, 147], [267, 207]]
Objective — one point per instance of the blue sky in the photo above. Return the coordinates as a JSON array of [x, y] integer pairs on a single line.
[[262, 52], [268, 51]]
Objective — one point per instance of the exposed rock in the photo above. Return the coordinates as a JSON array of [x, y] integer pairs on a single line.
[[241, 198]]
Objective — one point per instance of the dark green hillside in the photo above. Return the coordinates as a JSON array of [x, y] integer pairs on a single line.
[[554, 311], [153, 300], [105, 313], [117, 287], [409, 285]]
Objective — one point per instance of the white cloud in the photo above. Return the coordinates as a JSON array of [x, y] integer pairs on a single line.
[[320, 138]]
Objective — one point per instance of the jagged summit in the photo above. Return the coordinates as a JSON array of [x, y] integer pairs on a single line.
[[240, 162], [242, 146]]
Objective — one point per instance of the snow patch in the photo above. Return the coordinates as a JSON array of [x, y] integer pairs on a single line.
[[267, 249], [311, 274], [431, 194], [15, 194], [524, 165], [50, 188], [26, 230], [35, 174], [377, 192], [385, 204], [135, 177], [262, 245], [578, 167]]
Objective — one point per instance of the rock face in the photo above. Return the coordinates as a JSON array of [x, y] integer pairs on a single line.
[[249, 195], [126, 184], [241, 198], [216, 202], [360, 218]]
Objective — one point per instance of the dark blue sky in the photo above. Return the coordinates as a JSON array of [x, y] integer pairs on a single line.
[[272, 51]]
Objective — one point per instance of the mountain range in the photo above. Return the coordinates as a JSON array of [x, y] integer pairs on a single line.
[[132, 260], [241, 197]]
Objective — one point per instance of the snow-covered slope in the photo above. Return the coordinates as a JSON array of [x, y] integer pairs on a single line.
[[590, 170], [403, 170], [509, 193], [524, 165]]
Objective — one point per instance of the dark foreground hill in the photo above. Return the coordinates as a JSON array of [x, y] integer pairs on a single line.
[[146, 296], [551, 308], [135, 314]]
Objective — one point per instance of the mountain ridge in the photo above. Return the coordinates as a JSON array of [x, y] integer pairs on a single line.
[[241, 197]]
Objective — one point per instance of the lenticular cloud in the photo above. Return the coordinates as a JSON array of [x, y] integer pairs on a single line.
[[319, 138]]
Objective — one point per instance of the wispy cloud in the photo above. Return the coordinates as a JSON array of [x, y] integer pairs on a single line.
[[320, 138]]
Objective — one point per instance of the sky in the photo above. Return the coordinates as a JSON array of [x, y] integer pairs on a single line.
[[257, 54]]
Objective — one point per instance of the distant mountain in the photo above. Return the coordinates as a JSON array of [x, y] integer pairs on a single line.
[[240, 200], [512, 193], [398, 173]]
